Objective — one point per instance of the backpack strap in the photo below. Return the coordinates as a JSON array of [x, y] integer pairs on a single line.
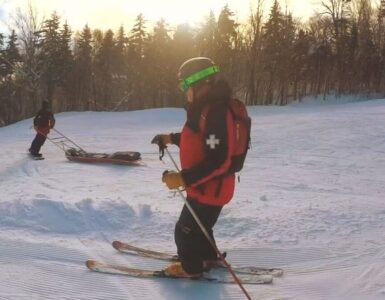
[[202, 119], [205, 111]]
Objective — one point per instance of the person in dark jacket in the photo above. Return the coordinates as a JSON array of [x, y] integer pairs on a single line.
[[205, 143], [43, 122]]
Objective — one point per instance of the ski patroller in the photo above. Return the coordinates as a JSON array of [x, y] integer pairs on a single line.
[[217, 277], [251, 270]]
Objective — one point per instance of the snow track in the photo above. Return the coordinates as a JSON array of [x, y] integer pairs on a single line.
[[58, 269]]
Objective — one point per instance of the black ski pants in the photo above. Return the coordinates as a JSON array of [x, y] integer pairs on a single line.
[[37, 143], [193, 246]]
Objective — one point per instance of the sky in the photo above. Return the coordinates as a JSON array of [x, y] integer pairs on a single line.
[[113, 13]]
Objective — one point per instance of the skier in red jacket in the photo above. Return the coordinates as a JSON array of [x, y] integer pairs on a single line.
[[206, 144]]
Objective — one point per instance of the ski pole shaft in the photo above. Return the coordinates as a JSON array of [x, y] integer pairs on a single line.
[[211, 241]]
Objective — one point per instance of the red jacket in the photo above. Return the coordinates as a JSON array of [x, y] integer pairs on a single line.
[[205, 154]]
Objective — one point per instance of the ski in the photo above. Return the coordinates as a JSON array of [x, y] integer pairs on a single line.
[[129, 249], [223, 277], [36, 157]]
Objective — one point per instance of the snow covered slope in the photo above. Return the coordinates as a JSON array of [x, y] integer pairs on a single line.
[[311, 200]]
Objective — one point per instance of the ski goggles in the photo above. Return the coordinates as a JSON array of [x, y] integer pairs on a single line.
[[186, 83]]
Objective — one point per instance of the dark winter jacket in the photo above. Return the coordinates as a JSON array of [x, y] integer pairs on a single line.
[[44, 121], [206, 145]]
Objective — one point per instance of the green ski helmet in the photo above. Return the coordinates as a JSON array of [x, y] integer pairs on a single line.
[[195, 70]]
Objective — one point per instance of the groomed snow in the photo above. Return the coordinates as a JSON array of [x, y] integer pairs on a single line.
[[311, 199]]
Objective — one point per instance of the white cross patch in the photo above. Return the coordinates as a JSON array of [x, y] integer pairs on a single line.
[[212, 141]]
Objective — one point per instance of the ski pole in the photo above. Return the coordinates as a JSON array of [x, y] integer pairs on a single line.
[[211, 241]]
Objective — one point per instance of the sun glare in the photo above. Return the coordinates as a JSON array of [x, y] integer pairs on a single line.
[[173, 11], [110, 14]]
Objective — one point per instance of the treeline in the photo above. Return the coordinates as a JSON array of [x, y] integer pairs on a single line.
[[271, 59]]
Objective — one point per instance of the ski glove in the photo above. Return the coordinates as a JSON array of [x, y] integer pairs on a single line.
[[173, 179], [162, 140]]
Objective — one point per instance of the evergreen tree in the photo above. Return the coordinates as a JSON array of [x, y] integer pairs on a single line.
[[380, 47], [287, 64], [97, 41], [273, 36], [9, 55], [158, 61], [225, 40], [339, 12], [207, 37], [320, 62], [104, 70], [382, 8], [182, 47], [66, 57], [11, 52], [49, 56], [4, 65], [138, 41], [183, 44], [83, 68], [253, 37], [301, 49], [366, 56], [138, 38], [120, 66]]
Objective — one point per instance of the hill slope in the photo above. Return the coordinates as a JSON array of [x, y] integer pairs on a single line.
[[310, 199]]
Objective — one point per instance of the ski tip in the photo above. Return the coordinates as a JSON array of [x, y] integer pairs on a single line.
[[117, 244], [90, 263]]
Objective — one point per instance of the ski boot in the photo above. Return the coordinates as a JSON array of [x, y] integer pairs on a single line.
[[213, 263], [176, 270]]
